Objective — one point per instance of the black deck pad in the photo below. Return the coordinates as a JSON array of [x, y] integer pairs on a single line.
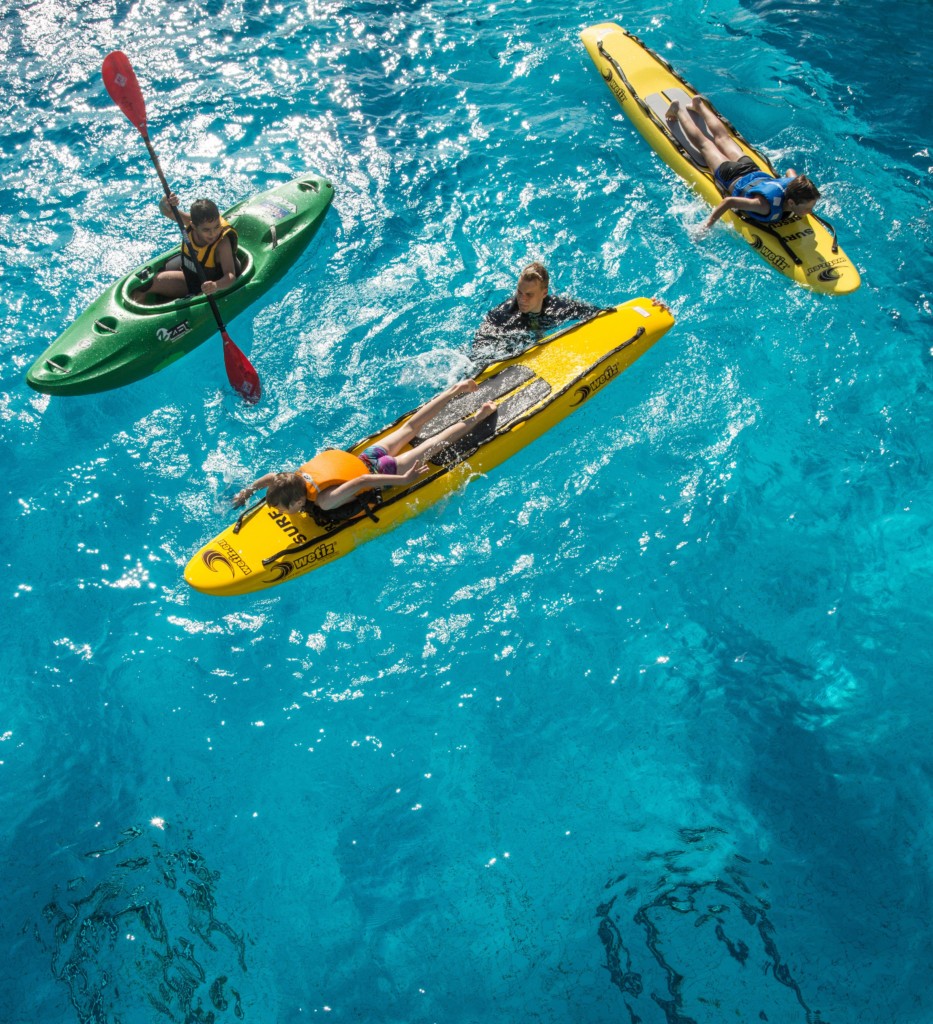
[[458, 451], [489, 390], [515, 405], [660, 103], [509, 409]]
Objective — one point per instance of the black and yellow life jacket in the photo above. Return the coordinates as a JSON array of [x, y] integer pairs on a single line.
[[206, 255]]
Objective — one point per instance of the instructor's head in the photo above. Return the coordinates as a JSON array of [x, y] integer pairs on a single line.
[[532, 288]]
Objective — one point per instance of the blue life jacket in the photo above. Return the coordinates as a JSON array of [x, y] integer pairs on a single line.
[[771, 189]]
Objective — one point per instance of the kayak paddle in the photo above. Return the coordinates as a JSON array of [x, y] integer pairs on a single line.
[[123, 86]]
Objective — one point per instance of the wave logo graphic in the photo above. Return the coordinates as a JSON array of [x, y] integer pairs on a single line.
[[282, 571], [584, 394], [212, 558], [757, 242], [607, 74], [828, 275]]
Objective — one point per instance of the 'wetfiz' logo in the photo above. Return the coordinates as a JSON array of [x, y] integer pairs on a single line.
[[235, 557], [585, 390], [178, 331], [212, 558], [282, 570], [774, 258], [614, 87], [321, 552]]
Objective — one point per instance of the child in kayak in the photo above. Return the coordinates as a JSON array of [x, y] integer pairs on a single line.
[[749, 190], [211, 241], [334, 478]]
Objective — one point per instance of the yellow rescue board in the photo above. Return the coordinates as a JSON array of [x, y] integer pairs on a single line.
[[533, 392], [645, 84]]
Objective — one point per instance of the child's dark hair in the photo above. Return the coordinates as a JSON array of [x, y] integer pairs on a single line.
[[285, 490], [203, 211], [801, 190]]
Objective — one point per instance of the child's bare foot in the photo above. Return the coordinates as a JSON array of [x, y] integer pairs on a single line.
[[697, 101], [484, 411], [464, 387], [673, 110]]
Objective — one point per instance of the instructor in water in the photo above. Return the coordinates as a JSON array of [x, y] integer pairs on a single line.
[[523, 319]]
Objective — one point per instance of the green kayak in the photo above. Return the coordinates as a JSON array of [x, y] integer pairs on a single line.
[[118, 340]]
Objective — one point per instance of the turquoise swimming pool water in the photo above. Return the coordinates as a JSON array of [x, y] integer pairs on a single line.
[[632, 729]]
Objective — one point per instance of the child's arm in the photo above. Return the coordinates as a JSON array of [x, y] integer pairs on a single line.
[[334, 497], [227, 265], [752, 205], [169, 203], [247, 492]]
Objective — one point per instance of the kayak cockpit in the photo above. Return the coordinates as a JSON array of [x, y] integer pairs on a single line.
[[155, 304]]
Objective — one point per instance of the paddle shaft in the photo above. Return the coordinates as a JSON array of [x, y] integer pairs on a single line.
[[215, 309], [123, 86]]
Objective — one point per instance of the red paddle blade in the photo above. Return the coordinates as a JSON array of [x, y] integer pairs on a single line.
[[240, 372], [121, 83]]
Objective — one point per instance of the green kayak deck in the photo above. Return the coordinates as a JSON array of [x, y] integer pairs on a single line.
[[118, 340]]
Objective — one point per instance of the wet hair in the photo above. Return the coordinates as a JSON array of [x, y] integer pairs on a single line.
[[203, 211], [535, 272], [285, 490], [801, 190]]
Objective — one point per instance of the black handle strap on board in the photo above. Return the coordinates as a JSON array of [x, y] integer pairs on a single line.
[[829, 227]]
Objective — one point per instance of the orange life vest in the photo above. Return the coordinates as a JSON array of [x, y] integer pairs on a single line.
[[330, 468]]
